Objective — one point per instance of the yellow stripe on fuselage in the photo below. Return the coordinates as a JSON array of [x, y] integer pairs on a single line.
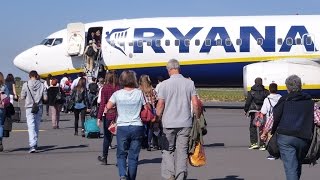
[[305, 87], [189, 62]]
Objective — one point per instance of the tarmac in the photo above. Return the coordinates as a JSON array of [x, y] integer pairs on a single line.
[[63, 156]]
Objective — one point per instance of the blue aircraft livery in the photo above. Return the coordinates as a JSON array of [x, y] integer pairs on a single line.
[[217, 36]]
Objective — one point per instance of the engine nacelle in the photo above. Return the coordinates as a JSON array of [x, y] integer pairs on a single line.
[[278, 71]]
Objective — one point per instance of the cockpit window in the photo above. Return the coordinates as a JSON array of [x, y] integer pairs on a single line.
[[57, 41], [52, 42], [47, 42]]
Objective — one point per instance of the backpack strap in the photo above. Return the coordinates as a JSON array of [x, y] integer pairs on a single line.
[[30, 93], [270, 106]]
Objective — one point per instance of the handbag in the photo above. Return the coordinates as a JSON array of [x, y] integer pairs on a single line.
[[272, 146], [259, 119], [198, 158], [113, 128], [35, 107], [146, 113]]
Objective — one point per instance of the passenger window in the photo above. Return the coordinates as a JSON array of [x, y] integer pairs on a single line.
[[259, 41], [112, 43], [308, 40], [197, 42], [158, 43], [149, 43], [279, 41], [57, 41], [167, 42], [187, 42], [177, 42], [208, 42], [298, 41], [239, 42], [219, 42], [140, 43], [228, 42], [289, 41]]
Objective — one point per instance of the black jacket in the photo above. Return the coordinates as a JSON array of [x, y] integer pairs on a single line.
[[255, 98], [52, 94], [294, 115]]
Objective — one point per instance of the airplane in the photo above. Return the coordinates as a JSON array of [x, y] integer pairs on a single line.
[[226, 51]]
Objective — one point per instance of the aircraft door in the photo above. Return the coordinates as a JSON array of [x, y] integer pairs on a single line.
[[76, 39], [308, 41]]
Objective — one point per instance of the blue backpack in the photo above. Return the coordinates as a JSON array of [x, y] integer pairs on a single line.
[[91, 129]]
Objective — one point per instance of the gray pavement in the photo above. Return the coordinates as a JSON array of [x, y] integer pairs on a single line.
[[64, 156]]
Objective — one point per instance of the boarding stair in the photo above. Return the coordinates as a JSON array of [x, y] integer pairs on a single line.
[[96, 64]]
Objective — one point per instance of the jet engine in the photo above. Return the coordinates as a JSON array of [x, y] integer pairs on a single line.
[[278, 71]]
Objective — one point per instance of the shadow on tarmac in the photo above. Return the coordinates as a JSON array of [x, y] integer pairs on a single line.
[[150, 161], [231, 177], [49, 148], [214, 145], [60, 148]]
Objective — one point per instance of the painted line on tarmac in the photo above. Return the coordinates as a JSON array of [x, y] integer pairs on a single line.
[[25, 130]]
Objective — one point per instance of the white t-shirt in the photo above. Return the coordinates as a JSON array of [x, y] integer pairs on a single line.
[[266, 107], [129, 104], [63, 82], [75, 82]]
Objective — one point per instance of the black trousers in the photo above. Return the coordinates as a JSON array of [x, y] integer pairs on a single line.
[[253, 130], [107, 137], [82, 114]]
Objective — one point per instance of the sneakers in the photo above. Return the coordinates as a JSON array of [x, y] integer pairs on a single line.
[[103, 160], [1, 146], [262, 148], [254, 146], [82, 133], [32, 150], [271, 158]]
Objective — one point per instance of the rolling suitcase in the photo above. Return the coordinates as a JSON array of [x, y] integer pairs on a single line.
[[91, 129]]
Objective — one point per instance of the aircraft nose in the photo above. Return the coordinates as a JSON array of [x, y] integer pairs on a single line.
[[20, 62]]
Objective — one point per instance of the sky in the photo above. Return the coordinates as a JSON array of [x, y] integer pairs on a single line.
[[26, 23]]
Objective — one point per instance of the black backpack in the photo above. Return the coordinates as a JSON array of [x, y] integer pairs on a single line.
[[93, 88], [90, 51], [259, 96]]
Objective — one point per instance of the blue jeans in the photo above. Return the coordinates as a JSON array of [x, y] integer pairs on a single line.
[[33, 122], [106, 137], [292, 151], [2, 116], [129, 140]]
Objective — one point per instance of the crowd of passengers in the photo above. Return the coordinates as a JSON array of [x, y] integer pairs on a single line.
[[113, 98]]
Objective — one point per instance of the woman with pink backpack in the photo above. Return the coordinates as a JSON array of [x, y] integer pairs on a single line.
[[3, 101]]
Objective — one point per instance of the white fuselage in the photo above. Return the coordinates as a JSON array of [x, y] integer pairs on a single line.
[[208, 44]]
